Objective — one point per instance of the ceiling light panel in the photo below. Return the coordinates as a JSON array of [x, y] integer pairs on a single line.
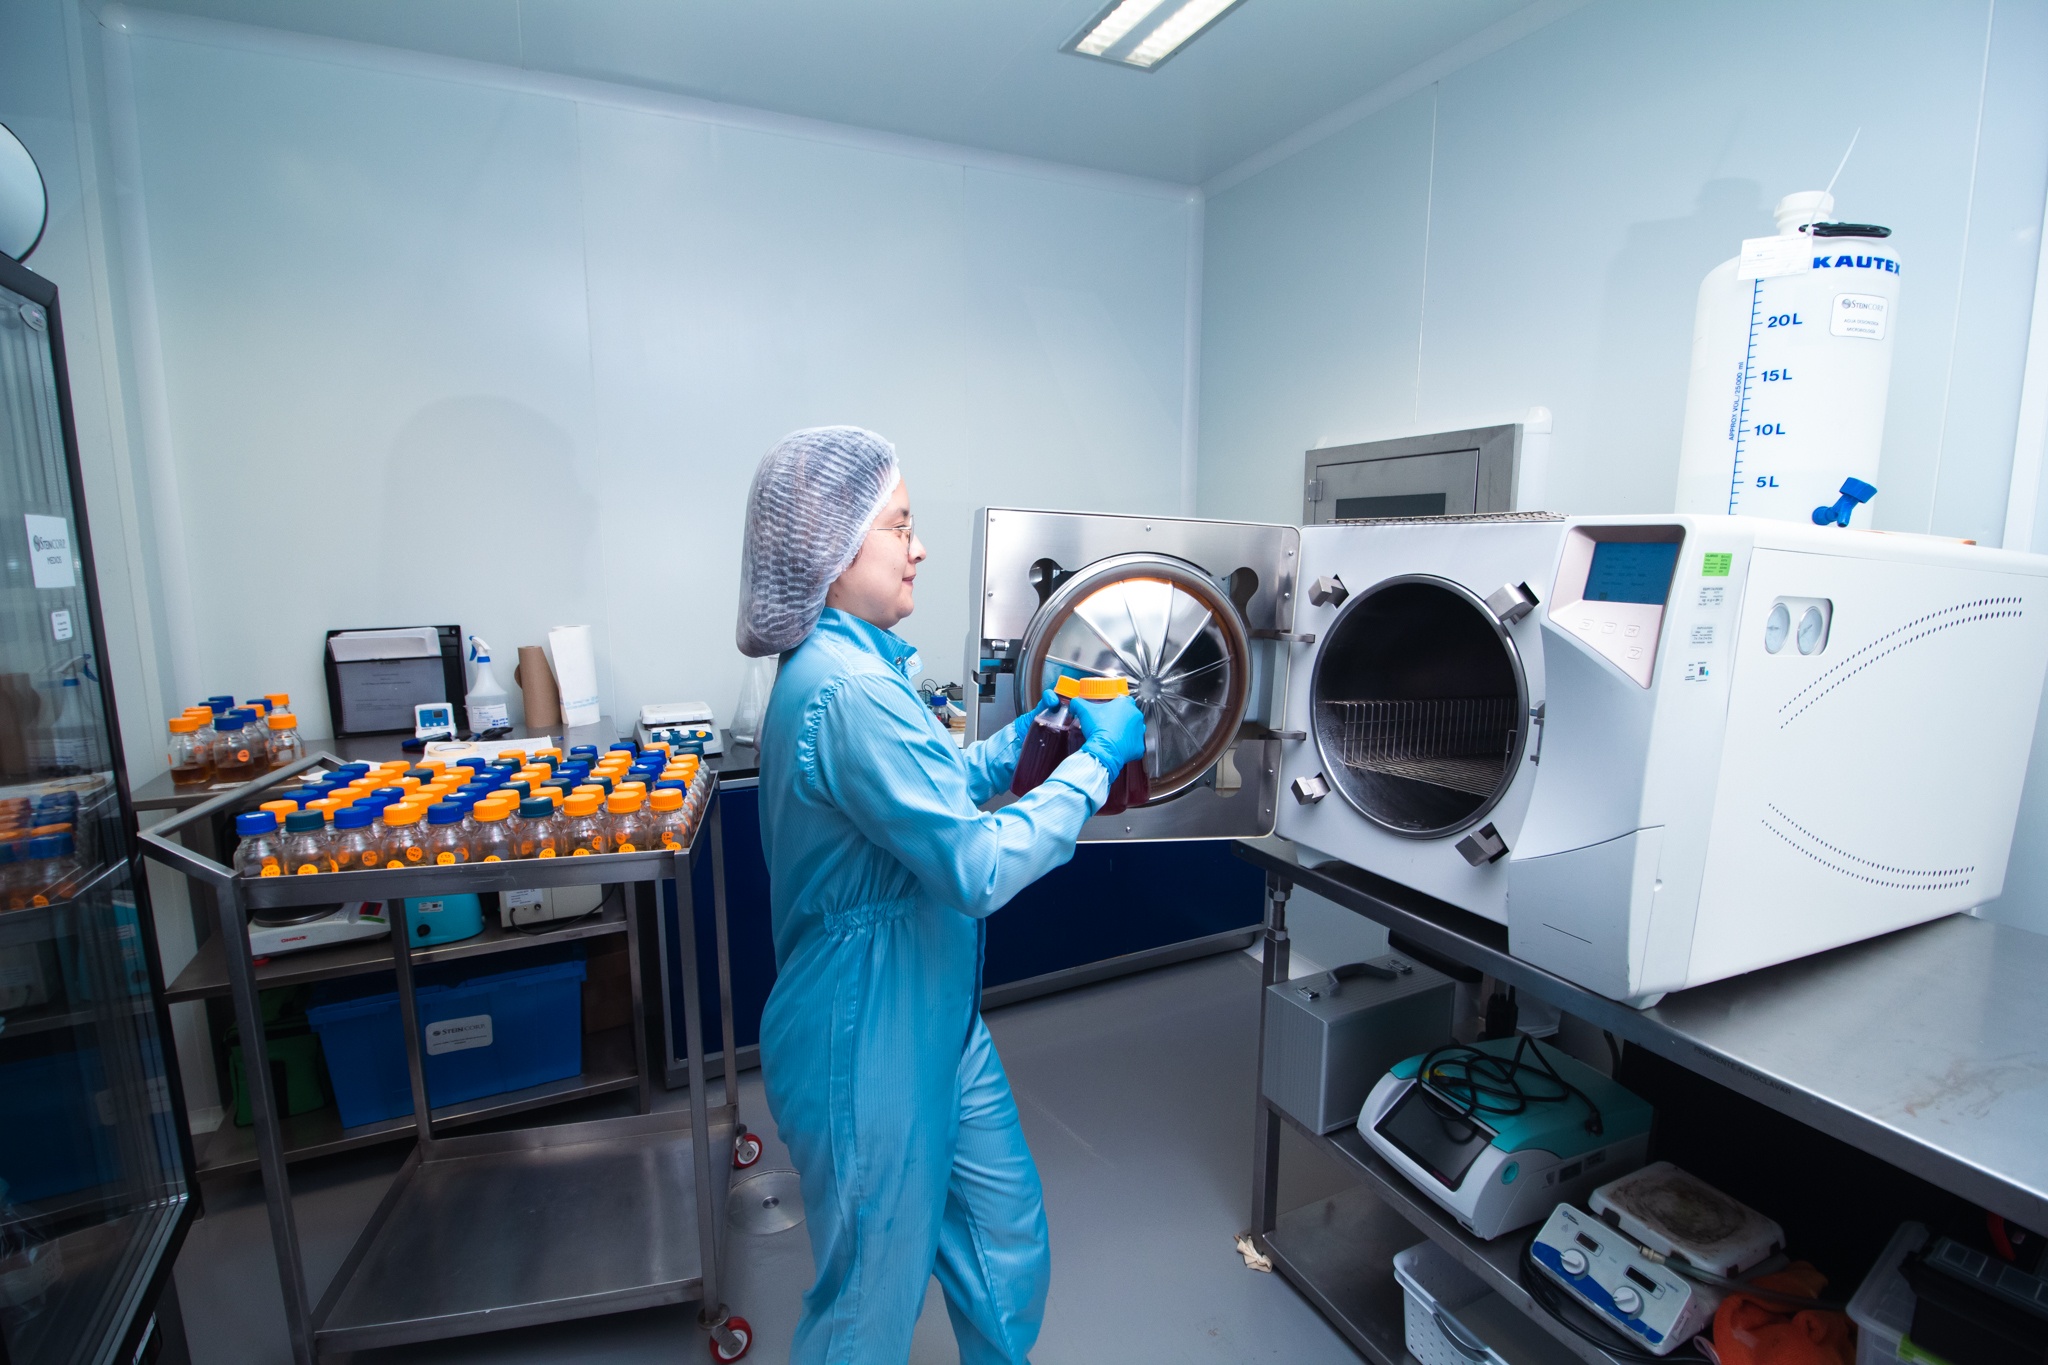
[[1144, 33]]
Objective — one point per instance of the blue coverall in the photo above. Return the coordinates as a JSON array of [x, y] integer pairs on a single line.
[[880, 1074]]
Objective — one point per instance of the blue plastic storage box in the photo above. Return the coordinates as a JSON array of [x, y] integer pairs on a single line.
[[482, 1037]]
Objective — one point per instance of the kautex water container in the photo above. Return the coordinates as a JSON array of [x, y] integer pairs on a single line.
[[1791, 362]]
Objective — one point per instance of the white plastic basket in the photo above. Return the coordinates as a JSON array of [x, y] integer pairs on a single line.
[[1450, 1317], [1883, 1306]]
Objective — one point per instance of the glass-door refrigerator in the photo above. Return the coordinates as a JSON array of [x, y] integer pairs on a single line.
[[95, 1159]]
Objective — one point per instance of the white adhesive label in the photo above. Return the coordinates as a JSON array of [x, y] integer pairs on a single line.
[[1703, 635], [1712, 595], [1765, 258], [459, 1035], [49, 551], [522, 898], [1859, 315], [488, 716]]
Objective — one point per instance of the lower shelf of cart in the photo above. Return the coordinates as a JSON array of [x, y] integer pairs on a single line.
[[502, 1230], [607, 1067], [1338, 1252]]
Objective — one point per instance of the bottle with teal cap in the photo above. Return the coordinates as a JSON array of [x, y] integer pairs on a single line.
[[305, 844]]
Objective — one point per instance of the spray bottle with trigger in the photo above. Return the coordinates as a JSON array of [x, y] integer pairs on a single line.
[[488, 717]]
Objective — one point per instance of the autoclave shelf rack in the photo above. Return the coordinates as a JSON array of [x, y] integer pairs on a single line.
[[606, 1200]]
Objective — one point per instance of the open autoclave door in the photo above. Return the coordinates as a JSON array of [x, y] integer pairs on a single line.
[[1194, 613]]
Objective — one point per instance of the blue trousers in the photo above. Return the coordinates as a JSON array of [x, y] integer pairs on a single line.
[[896, 1191]]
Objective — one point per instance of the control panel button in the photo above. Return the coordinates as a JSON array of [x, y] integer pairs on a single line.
[[1573, 1260], [1628, 1300]]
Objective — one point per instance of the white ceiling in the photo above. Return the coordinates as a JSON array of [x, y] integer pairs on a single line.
[[984, 73]]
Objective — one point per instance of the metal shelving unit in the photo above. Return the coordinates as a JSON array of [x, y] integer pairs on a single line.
[[619, 1213], [1339, 1252], [1863, 1043]]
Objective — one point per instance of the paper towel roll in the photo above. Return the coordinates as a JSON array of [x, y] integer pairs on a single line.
[[537, 686], [575, 673]]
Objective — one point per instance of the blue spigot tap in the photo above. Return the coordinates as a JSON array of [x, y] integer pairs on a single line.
[[1854, 493]]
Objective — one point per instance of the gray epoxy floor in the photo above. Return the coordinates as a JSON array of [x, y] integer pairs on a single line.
[[1137, 1100]]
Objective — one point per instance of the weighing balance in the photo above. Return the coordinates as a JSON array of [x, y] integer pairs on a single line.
[[1500, 1132], [296, 929], [677, 723]]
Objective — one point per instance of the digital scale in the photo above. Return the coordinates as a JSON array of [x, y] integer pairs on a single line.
[[317, 927], [1612, 1260], [1500, 1132], [679, 722]]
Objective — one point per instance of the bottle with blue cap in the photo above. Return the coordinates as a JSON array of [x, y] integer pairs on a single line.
[[305, 844], [234, 748], [353, 846], [259, 853], [446, 844]]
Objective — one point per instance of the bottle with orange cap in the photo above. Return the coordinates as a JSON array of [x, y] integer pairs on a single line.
[[1055, 734], [585, 830], [671, 821], [492, 842], [405, 834], [191, 757], [285, 745], [631, 830]]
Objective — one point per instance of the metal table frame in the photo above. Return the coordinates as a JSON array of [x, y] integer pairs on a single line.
[[652, 1141], [1927, 1048]]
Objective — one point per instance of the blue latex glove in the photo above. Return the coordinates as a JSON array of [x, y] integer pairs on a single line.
[[1021, 726], [1112, 731]]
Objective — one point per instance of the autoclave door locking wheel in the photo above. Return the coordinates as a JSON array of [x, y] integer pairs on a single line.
[[1194, 614], [1160, 623]]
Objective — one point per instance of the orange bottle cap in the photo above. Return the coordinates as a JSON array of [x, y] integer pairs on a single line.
[[582, 803], [279, 700], [491, 810], [667, 798], [515, 755], [634, 786], [403, 813], [589, 789], [184, 725], [411, 784], [280, 809], [623, 802], [1093, 689], [283, 720]]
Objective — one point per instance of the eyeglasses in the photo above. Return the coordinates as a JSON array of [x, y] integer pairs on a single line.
[[903, 532]]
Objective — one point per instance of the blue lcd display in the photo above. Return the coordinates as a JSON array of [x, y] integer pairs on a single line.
[[1631, 571]]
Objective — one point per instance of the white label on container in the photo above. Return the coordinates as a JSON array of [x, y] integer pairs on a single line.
[[459, 1035], [1703, 635], [488, 716], [1859, 315], [522, 898], [49, 550], [1764, 258], [1712, 595], [60, 625]]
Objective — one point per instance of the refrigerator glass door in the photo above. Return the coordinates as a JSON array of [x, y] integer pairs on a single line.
[[94, 1158]]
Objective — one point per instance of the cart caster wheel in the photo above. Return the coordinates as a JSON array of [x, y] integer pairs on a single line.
[[742, 1334], [746, 1150]]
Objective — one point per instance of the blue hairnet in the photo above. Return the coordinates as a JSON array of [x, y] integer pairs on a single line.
[[814, 497]]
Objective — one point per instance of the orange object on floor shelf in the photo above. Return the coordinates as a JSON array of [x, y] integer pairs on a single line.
[[1752, 1331]]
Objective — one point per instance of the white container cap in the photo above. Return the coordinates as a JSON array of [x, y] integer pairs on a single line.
[[1795, 211]]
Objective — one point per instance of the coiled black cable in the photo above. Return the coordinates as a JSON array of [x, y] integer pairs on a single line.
[[1474, 1082]]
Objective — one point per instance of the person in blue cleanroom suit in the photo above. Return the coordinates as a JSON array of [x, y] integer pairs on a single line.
[[881, 1076]]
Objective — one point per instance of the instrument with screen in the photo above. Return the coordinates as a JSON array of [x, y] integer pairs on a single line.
[[1442, 1141]]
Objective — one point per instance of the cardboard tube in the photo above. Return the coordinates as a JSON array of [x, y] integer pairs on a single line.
[[537, 687]]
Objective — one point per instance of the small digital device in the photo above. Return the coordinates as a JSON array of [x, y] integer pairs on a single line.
[[1652, 1305], [444, 919], [1498, 1132], [433, 720]]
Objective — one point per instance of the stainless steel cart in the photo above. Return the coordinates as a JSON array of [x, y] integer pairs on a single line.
[[486, 1231]]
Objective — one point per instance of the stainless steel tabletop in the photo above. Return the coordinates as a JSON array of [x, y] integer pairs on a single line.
[[1927, 1047]]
